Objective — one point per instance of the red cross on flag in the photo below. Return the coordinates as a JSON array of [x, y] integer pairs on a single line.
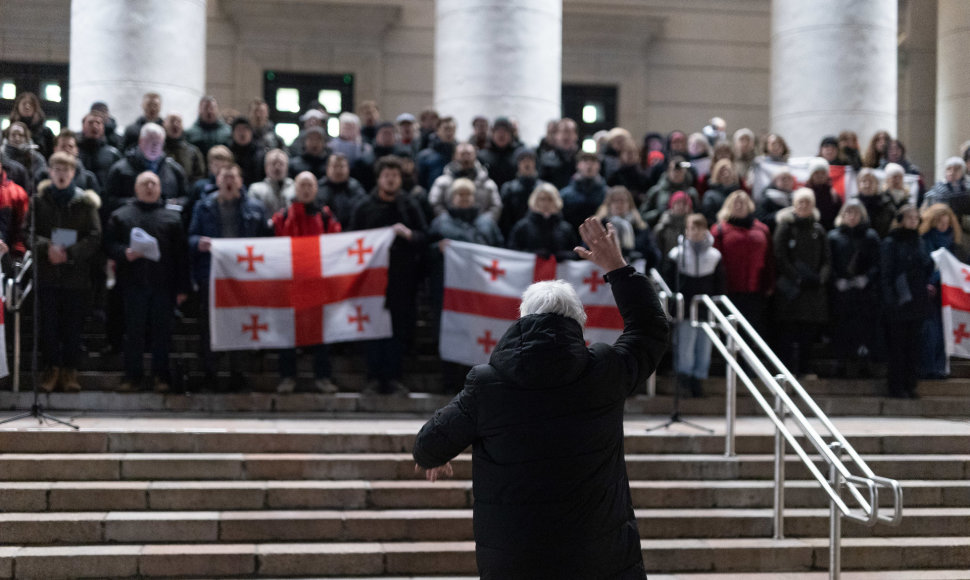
[[285, 292], [483, 288], [955, 297]]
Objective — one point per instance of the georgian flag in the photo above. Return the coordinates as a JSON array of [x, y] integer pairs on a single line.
[[955, 295], [483, 289], [843, 177], [284, 292]]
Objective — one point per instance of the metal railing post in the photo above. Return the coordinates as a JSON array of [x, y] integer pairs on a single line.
[[731, 396], [779, 515], [16, 350], [835, 518]]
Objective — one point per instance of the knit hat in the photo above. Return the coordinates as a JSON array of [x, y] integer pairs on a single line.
[[828, 140], [405, 118], [818, 164], [680, 196], [502, 123]]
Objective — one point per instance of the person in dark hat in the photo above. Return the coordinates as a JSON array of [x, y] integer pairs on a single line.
[[828, 150], [499, 156], [479, 136], [515, 193], [247, 151]]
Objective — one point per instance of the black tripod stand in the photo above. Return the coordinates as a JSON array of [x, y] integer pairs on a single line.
[[30, 261], [675, 416]]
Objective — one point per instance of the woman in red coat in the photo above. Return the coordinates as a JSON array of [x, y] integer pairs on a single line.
[[747, 255], [304, 218]]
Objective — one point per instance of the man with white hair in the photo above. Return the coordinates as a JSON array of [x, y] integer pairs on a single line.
[[545, 421], [952, 190]]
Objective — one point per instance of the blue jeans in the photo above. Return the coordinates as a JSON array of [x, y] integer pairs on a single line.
[[693, 351]]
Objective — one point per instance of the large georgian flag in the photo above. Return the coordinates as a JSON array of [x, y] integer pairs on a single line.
[[955, 294], [483, 289], [843, 177], [284, 292]]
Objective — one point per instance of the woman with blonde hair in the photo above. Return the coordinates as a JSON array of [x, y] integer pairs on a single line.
[[746, 249], [543, 230], [632, 234], [938, 228], [723, 182]]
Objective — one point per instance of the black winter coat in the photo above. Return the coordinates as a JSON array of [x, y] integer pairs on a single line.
[[315, 164], [557, 166], [341, 198], [120, 185], [79, 214], [500, 163], [546, 236], [98, 157], [407, 263], [545, 422], [905, 269], [171, 272], [515, 201]]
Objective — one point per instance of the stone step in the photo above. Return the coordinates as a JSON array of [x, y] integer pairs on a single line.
[[241, 440], [458, 558], [56, 528], [95, 398], [400, 466], [68, 496]]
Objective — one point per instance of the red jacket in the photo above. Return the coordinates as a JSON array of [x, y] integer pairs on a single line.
[[747, 256], [14, 203], [295, 221]]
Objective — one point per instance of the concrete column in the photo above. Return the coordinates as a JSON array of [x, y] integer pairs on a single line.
[[121, 50], [833, 67], [499, 58], [917, 83], [952, 79]]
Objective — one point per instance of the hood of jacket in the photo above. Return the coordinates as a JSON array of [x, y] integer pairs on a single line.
[[541, 351], [80, 195], [787, 215]]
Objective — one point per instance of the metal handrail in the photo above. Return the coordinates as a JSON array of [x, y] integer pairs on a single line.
[[665, 294], [15, 293], [862, 484]]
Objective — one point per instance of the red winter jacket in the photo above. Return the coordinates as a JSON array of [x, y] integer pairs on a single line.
[[14, 204], [747, 256], [296, 221]]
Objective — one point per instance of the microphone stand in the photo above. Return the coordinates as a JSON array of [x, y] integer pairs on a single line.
[[675, 413], [36, 409]]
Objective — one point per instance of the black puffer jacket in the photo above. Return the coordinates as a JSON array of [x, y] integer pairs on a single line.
[[546, 236], [545, 421], [97, 156], [120, 185], [171, 272]]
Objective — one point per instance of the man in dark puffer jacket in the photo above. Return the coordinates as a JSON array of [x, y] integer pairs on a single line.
[[545, 419]]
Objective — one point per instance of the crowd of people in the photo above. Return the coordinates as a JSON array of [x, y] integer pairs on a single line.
[[803, 264]]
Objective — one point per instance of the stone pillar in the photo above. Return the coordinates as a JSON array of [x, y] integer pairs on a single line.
[[499, 58], [833, 67], [952, 80], [121, 50], [917, 83]]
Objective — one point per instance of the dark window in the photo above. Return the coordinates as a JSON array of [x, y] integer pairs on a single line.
[[289, 94], [593, 107], [47, 81]]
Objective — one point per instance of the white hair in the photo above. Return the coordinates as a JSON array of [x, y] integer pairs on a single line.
[[151, 129], [955, 162], [553, 296], [348, 117]]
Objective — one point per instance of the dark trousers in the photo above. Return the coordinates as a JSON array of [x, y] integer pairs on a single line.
[[321, 361], [795, 341], [61, 320], [148, 310], [209, 358], [385, 357], [903, 342]]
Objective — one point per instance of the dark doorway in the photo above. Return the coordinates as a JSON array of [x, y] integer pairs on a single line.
[[289, 94], [593, 107]]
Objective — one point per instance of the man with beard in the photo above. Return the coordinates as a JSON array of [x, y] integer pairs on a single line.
[[466, 165], [184, 153], [93, 149]]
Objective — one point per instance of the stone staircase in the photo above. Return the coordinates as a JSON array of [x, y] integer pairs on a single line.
[[182, 496]]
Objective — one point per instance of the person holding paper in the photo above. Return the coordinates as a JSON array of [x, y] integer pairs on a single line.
[[147, 242], [67, 234]]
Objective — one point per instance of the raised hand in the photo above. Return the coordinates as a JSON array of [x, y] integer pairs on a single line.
[[603, 249]]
